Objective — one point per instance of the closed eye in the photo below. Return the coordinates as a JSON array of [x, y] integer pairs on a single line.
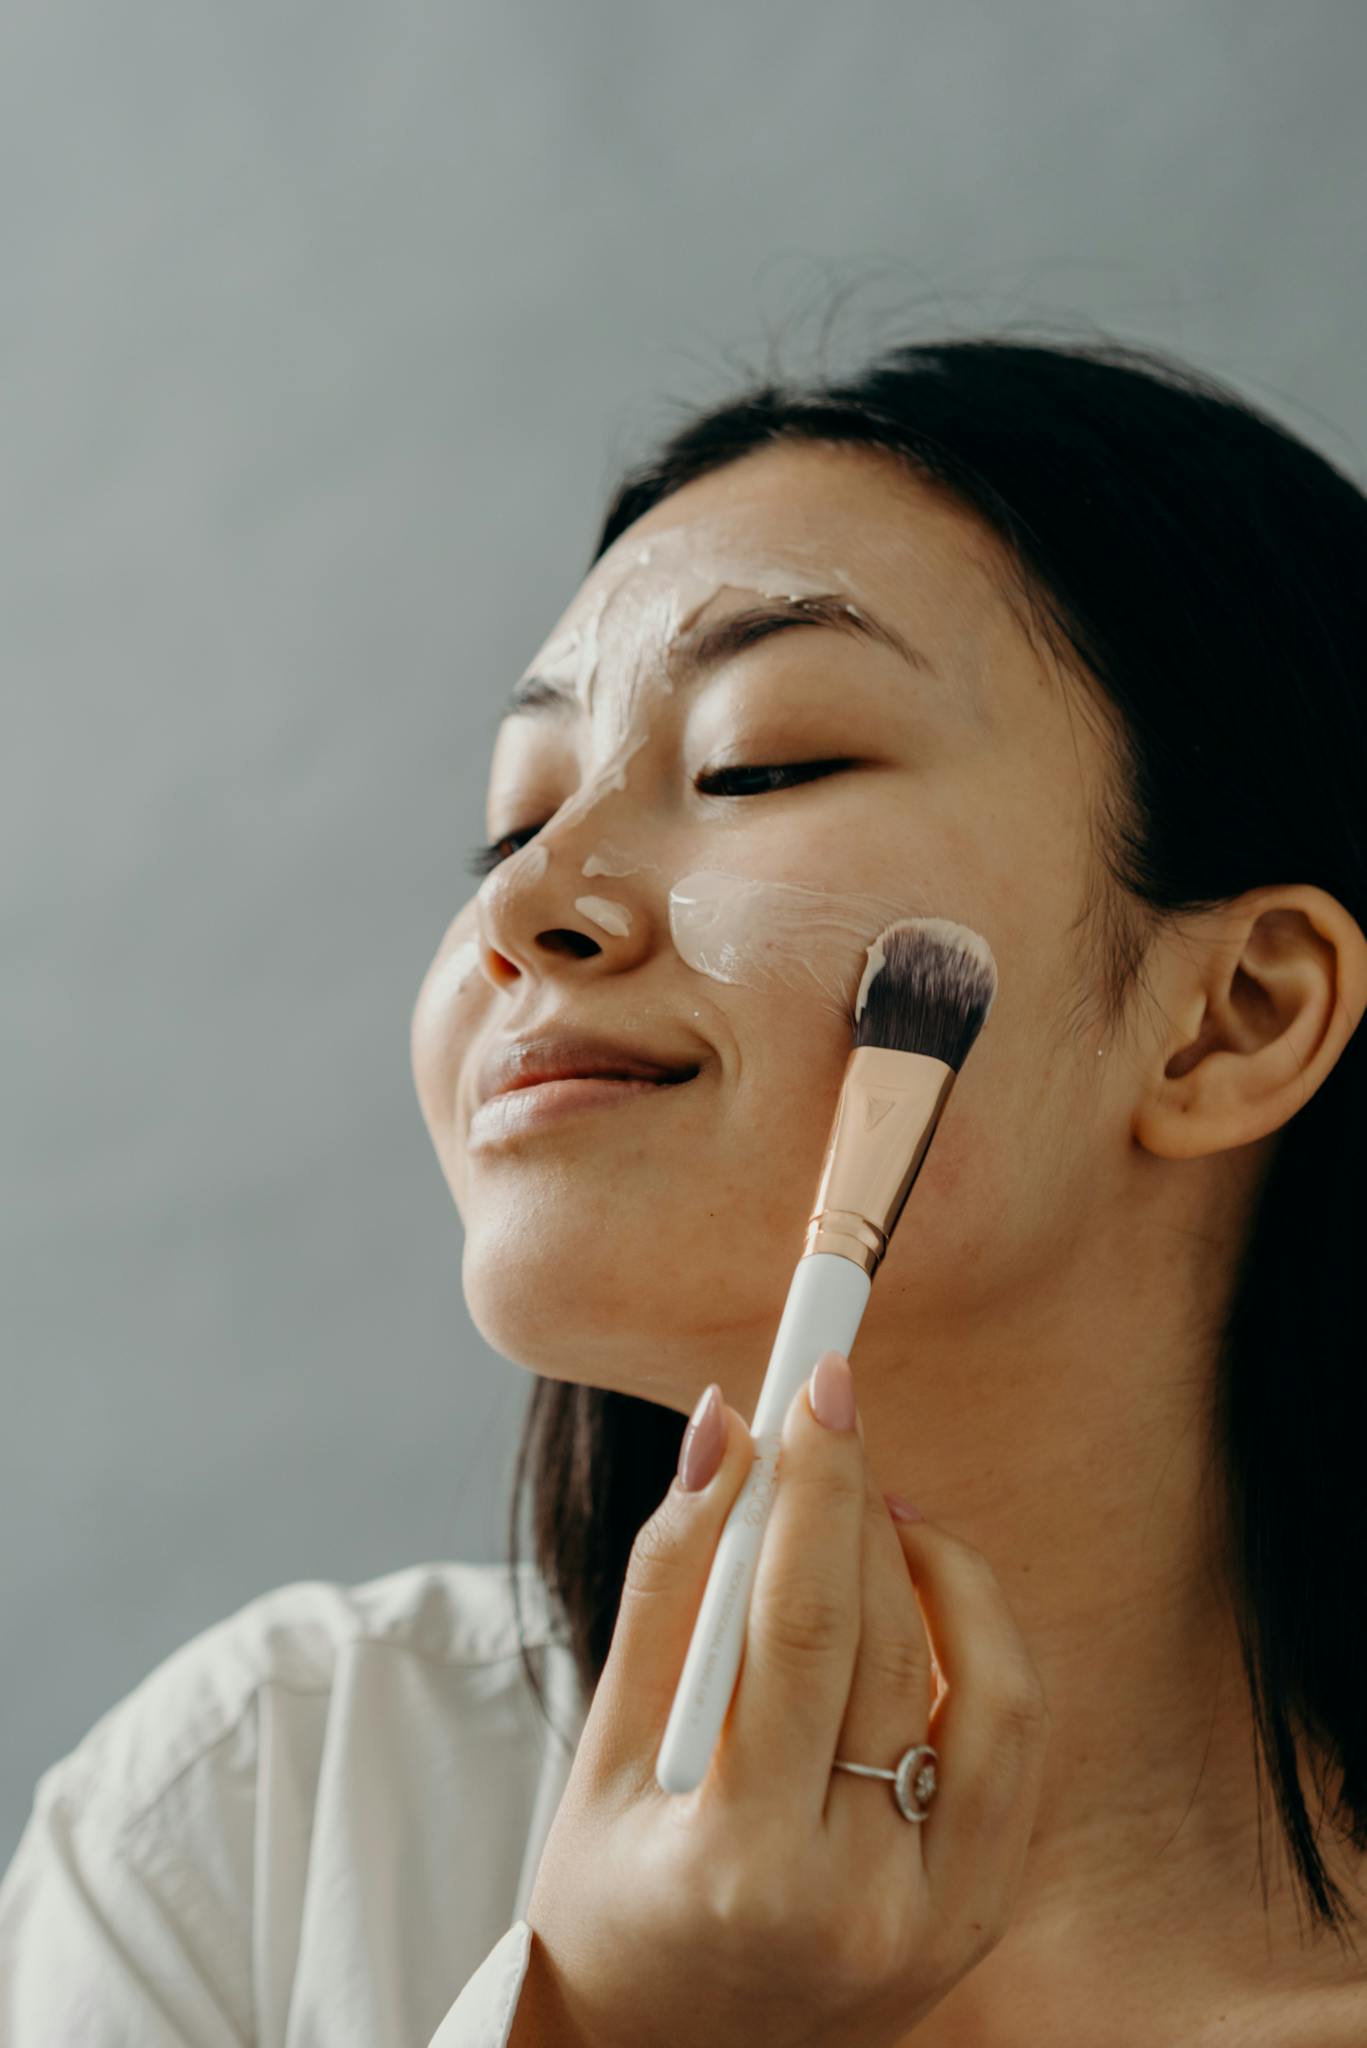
[[761, 780], [482, 860], [742, 780]]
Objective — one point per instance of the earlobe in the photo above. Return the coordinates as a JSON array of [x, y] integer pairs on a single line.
[[1280, 987]]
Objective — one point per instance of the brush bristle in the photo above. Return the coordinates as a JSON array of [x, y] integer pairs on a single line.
[[929, 986]]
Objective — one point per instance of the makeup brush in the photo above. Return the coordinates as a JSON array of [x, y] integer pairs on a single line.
[[924, 997]]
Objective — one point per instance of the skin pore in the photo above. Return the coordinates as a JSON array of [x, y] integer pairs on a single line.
[[1036, 1360]]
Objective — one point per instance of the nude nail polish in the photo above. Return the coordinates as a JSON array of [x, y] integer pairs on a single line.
[[704, 1440]]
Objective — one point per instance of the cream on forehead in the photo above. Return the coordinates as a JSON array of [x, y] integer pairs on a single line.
[[643, 594], [772, 935], [652, 590]]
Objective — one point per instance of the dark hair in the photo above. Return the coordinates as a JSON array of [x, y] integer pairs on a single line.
[[1205, 573]]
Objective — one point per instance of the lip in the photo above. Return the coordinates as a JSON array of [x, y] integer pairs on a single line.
[[525, 1083], [519, 1110], [572, 1055]]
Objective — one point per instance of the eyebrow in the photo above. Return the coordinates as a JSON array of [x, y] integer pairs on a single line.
[[707, 647]]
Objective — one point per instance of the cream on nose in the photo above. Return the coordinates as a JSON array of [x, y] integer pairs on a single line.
[[606, 859], [533, 861], [610, 917]]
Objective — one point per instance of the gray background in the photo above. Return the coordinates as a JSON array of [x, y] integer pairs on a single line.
[[325, 331]]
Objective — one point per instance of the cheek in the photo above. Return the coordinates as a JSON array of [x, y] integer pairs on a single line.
[[1013, 1174], [955, 1211], [953, 1167]]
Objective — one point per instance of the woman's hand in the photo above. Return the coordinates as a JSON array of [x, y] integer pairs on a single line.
[[783, 1902]]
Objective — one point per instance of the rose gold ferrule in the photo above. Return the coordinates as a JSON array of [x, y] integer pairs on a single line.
[[890, 1103]]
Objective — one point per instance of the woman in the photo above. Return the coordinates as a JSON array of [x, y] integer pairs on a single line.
[[1064, 644]]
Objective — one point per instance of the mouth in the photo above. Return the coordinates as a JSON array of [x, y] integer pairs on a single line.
[[534, 1107]]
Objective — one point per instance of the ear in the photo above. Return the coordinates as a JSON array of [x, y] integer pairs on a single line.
[[1260, 997]]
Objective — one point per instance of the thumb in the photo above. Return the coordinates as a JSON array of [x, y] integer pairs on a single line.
[[666, 1575]]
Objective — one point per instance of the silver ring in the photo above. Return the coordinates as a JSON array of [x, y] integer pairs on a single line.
[[908, 1779]]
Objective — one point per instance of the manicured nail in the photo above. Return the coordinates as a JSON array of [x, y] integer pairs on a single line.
[[902, 1510], [704, 1441], [831, 1391]]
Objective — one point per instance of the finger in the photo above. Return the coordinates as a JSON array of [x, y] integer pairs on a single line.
[[992, 1725], [666, 1575], [888, 1711], [802, 1628]]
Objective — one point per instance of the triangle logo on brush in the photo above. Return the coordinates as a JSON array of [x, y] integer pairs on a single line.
[[875, 1109]]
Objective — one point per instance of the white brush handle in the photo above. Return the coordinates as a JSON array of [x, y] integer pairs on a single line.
[[823, 1312]]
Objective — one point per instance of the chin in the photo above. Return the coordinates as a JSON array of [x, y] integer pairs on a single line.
[[577, 1319], [590, 1307], [537, 1311]]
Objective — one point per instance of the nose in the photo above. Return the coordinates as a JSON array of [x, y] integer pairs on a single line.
[[540, 916]]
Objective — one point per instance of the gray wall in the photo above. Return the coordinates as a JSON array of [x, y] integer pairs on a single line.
[[325, 329]]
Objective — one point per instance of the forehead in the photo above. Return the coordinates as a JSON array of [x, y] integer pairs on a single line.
[[801, 493], [789, 520]]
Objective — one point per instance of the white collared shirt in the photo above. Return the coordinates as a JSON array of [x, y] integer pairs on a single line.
[[314, 1825]]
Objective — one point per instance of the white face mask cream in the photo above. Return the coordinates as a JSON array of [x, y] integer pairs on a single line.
[[455, 970], [609, 860], [772, 935], [610, 917]]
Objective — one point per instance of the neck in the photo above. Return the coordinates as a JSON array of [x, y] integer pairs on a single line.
[[1067, 1436]]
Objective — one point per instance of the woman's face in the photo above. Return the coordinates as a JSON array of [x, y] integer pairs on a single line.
[[717, 920]]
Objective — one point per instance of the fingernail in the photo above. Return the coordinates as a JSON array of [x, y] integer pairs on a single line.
[[703, 1442], [831, 1391], [902, 1510]]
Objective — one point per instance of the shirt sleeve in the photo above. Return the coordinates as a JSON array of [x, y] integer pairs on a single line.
[[482, 2017], [101, 1945]]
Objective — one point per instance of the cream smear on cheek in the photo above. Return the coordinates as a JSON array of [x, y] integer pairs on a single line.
[[455, 970], [777, 935]]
